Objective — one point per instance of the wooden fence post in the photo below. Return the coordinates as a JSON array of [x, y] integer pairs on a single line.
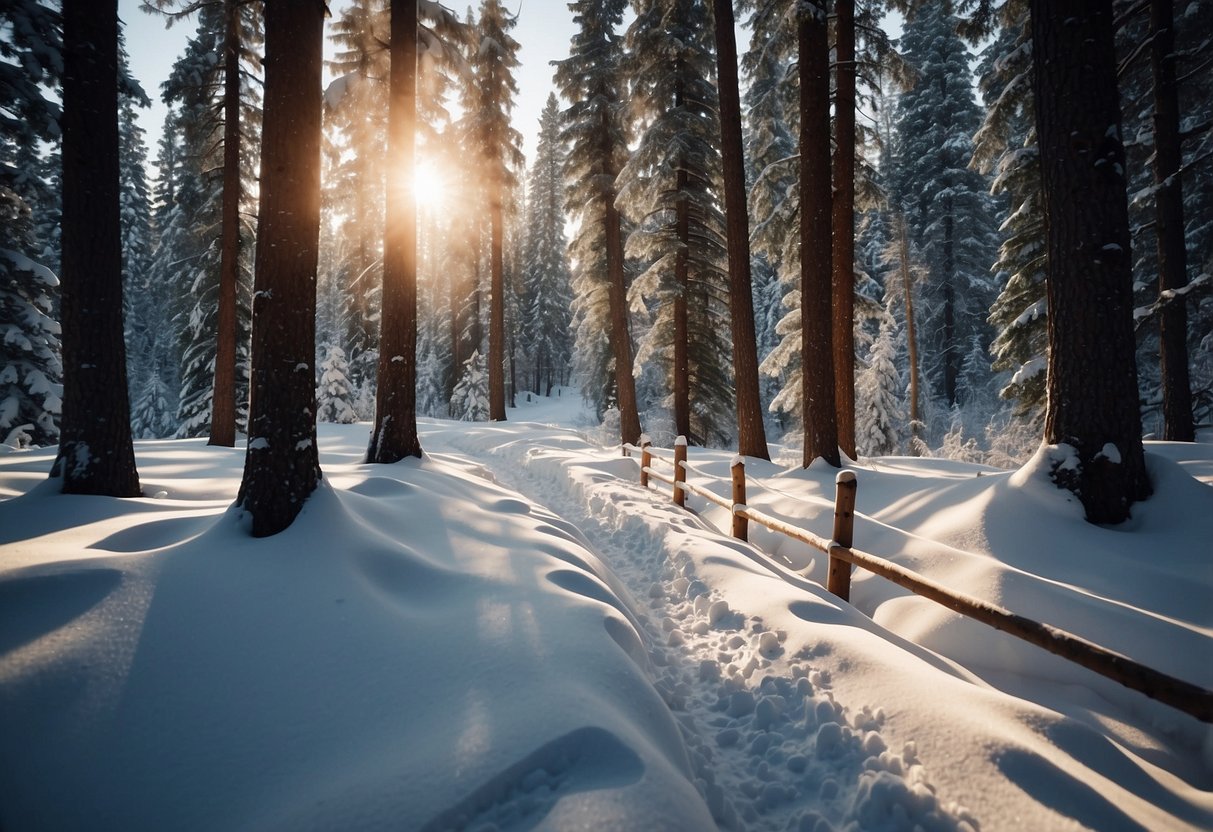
[[680, 473], [741, 525], [646, 459], [838, 577]]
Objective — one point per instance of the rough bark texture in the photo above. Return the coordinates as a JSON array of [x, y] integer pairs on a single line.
[[1169, 225], [1092, 378], [751, 432], [951, 354], [843, 277], [907, 287], [682, 335], [95, 451], [621, 339], [281, 467], [223, 397], [395, 433], [496, 307], [820, 421]]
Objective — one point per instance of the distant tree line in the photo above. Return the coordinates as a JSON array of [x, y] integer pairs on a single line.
[[866, 245]]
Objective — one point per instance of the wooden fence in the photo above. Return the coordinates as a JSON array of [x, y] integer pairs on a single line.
[[1184, 696]]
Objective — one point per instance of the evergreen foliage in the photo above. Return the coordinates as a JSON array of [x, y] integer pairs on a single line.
[[879, 416], [670, 189], [141, 317], [593, 132], [470, 401], [356, 115], [947, 207], [547, 296], [189, 251], [31, 63], [334, 395]]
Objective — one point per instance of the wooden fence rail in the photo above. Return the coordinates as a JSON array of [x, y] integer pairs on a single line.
[[1179, 694]]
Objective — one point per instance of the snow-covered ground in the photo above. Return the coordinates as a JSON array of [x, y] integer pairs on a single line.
[[512, 634]]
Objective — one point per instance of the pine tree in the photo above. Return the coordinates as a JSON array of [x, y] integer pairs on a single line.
[[334, 401], [878, 413], [30, 366], [1092, 395], [1006, 142], [193, 250], [282, 466], [394, 435], [165, 288], [946, 203], [842, 279], [751, 434], [816, 339], [470, 401], [135, 216], [499, 145], [545, 272], [591, 80], [772, 103], [96, 455], [217, 99], [356, 112], [1169, 227], [671, 189]]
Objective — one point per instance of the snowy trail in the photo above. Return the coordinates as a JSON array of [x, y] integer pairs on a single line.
[[771, 746]]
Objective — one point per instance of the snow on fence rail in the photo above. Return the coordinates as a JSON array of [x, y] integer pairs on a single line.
[[1184, 696]]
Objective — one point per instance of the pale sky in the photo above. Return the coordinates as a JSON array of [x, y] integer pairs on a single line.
[[543, 32]]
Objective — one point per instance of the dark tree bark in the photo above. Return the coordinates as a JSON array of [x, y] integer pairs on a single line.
[[1169, 225], [1092, 377], [820, 420], [682, 335], [617, 298], [281, 467], [395, 434], [843, 275], [907, 287], [223, 397], [95, 451], [751, 432], [951, 351], [496, 306]]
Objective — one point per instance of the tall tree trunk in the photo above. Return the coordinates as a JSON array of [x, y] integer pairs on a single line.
[[223, 396], [282, 467], [452, 378], [907, 286], [395, 434], [621, 339], [1169, 225], [682, 285], [512, 356], [951, 351], [843, 275], [360, 287], [816, 340], [96, 455], [496, 307], [1092, 379], [751, 432]]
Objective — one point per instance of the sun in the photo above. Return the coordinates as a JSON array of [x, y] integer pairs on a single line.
[[429, 187]]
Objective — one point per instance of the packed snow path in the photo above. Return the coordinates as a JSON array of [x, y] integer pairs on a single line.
[[771, 744]]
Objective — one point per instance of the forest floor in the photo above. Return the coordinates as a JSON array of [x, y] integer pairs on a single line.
[[513, 633]]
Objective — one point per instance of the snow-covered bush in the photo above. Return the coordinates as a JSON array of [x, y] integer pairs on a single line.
[[334, 398], [470, 401]]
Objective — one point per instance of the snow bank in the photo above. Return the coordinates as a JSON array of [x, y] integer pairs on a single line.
[[421, 649]]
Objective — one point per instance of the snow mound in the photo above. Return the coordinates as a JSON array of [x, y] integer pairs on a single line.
[[420, 650]]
